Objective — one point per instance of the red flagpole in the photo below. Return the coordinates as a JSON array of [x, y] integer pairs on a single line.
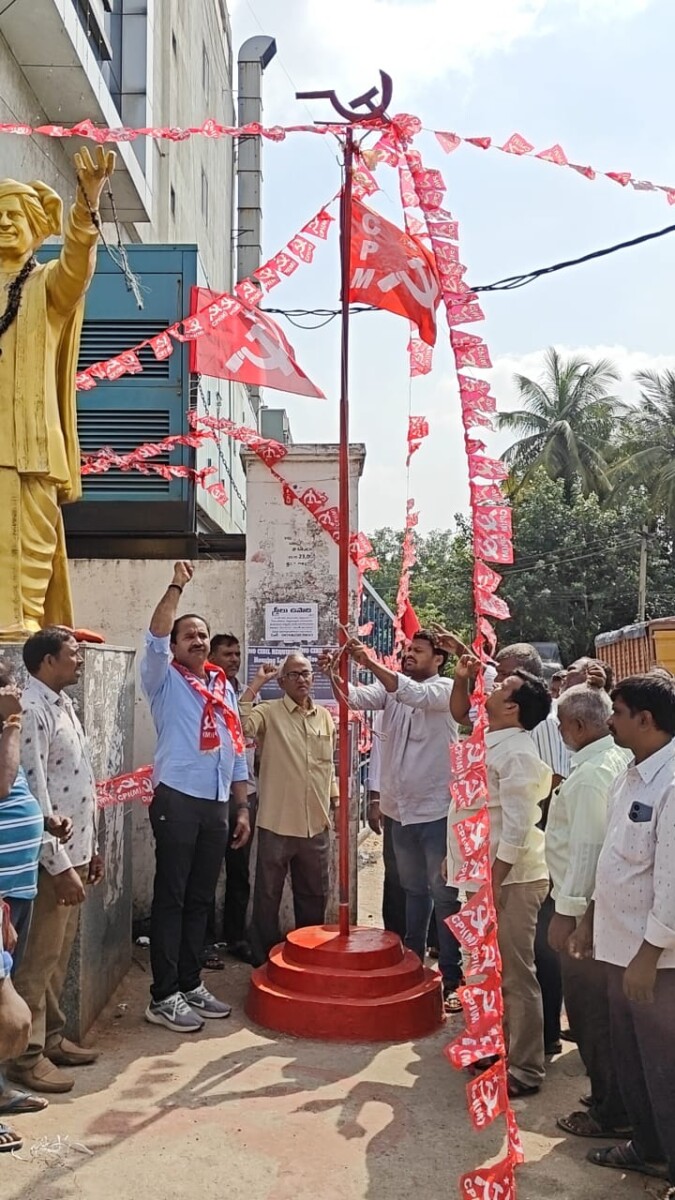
[[375, 113], [344, 754]]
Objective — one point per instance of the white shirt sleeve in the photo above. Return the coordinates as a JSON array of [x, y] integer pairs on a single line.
[[660, 929], [523, 782], [587, 833], [432, 695], [367, 697], [375, 757]]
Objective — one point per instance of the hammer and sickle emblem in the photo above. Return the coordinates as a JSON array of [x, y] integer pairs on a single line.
[[351, 113], [273, 358]]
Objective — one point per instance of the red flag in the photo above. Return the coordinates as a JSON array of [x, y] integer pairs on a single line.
[[487, 1096], [393, 270], [409, 621], [490, 1183], [249, 347]]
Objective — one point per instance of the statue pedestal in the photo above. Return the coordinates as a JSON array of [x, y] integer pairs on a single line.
[[104, 698]]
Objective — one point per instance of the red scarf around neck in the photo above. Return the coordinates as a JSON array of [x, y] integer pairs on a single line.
[[214, 701]]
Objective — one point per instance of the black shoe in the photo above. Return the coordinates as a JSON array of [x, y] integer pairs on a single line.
[[242, 951], [553, 1049]]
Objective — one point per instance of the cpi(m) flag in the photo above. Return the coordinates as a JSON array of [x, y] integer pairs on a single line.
[[393, 270], [248, 347]]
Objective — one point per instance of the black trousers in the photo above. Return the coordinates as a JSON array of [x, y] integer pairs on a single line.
[[393, 896], [547, 963], [308, 861], [238, 886], [587, 1007], [643, 1045], [190, 842]]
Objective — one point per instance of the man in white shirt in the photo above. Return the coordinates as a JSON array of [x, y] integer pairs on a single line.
[[577, 823], [393, 896], [521, 656], [58, 768], [518, 781], [417, 730], [630, 925]]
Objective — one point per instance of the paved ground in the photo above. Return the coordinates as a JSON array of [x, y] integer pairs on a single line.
[[240, 1114]]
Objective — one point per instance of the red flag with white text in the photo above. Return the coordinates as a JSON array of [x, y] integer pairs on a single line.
[[393, 270]]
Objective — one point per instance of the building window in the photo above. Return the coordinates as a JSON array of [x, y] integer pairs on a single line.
[[206, 69], [205, 196], [172, 202]]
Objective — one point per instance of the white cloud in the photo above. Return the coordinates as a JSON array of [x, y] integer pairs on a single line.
[[417, 41]]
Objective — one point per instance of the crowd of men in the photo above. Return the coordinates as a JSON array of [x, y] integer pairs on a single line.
[[581, 783]]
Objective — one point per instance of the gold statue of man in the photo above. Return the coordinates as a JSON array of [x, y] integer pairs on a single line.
[[39, 345]]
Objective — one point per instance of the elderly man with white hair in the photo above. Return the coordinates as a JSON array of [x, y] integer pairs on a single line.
[[297, 788], [577, 823]]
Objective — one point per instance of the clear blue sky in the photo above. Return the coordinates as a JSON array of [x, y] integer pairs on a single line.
[[594, 75]]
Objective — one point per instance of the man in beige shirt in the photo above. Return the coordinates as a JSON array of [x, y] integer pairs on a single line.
[[297, 785]]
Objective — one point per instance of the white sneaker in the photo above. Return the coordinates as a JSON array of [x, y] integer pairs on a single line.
[[206, 1005], [174, 1013]]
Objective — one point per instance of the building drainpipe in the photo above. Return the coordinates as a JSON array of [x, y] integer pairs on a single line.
[[254, 56]]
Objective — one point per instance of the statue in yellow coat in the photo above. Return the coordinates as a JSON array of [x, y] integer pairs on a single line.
[[39, 345]]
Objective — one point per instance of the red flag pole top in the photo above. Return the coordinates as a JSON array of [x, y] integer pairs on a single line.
[[350, 114]]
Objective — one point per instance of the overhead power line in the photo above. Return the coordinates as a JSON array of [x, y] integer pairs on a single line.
[[509, 284]]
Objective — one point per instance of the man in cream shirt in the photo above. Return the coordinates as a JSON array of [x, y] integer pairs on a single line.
[[630, 925], [518, 781], [577, 823]]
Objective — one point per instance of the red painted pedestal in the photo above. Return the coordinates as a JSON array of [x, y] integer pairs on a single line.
[[362, 988]]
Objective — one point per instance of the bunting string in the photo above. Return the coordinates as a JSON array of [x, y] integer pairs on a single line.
[[517, 144], [210, 318]]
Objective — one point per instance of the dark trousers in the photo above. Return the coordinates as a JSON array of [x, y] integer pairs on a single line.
[[643, 1045], [190, 842], [308, 861], [547, 963], [21, 912], [420, 850], [237, 886], [393, 896], [587, 1007]]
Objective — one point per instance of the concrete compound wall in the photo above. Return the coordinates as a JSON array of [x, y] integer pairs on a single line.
[[291, 559], [116, 597]]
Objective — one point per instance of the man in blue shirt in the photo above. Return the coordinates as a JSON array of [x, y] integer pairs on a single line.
[[199, 758]]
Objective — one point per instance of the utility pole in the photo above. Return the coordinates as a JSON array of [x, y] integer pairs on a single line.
[[642, 585]]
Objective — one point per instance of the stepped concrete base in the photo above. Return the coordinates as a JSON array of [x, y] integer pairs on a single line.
[[362, 988]]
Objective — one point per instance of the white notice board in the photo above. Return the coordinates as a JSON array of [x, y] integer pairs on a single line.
[[293, 624]]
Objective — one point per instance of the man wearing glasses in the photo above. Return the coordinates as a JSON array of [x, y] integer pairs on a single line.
[[297, 787]]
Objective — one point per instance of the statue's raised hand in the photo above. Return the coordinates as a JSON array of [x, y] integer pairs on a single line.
[[93, 172]]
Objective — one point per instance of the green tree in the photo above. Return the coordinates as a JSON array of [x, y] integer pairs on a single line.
[[566, 421], [647, 452], [440, 581], [576, 566]]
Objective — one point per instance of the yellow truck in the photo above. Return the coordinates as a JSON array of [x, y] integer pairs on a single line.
[[637, 648]]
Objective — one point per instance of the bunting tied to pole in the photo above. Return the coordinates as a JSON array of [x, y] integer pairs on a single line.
[[475, 926]]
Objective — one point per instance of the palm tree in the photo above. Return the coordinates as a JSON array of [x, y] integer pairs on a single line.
[[567, 419], [650, 460]]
